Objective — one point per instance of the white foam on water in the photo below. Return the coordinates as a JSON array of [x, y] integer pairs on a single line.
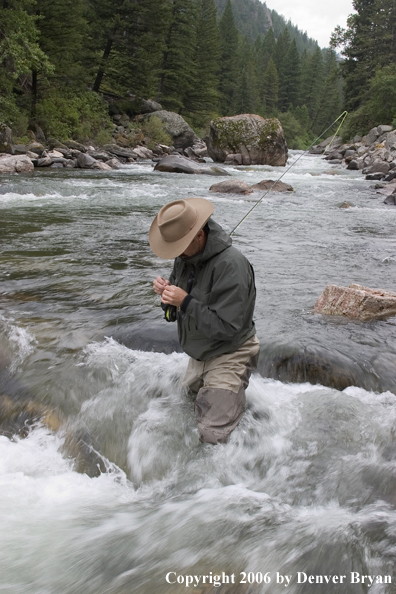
[[21, 341]]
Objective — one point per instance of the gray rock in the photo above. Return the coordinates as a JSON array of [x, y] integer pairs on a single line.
[[179, 164], [260, 141], [72, 144], [232, 159], [384, 129], [349, 153], [35, 147], [182, 134], [20, 149], [231, 186], [378, 167], [44, 162], [6, 140], [372, 136], [85, 161], [118, 151], [56, 165], [150, 106], [390, 200], [374, 176], [353, 165], [114, 163], [390, 143]]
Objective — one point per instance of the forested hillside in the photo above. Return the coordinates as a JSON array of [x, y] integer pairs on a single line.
[[62, 61], [368, 45]]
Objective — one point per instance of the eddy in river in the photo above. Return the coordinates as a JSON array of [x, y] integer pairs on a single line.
[[211, 293]]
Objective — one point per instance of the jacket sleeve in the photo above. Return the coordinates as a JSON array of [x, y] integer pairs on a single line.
[[229, 304]]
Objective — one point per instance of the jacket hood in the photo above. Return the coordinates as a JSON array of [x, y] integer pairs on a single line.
[[218, 240]]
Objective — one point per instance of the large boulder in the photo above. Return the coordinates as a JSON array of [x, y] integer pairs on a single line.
[[15, 164], [182, 134], [259, 141], [6, 140], [179, 164], [356, 302]]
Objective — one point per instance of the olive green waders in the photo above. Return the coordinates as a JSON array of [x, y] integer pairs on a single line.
[[219, 384]]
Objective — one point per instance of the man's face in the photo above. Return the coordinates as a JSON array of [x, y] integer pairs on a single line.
[[195, 246]]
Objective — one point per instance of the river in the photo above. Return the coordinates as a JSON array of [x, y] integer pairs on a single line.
[[306, 486]]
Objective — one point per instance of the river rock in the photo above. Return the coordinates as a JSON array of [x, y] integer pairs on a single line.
[[314, 364], [390, 200], [72, 144], [142, 152], [44, 161], [85, 161], [15, 164], [35, 147], [231, 186], [274, 186], [357, 302], [260, 141], [114, 163], [182, 134], [179, 164]]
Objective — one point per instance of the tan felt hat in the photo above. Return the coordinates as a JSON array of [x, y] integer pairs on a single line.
[[176, 225]]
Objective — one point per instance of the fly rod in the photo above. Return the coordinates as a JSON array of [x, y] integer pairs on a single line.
[[343, 116]]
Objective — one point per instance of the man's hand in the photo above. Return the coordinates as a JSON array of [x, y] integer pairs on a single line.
[[172, 295], [159, 284]]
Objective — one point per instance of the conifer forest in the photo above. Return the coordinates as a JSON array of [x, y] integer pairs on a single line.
[[64, 62]]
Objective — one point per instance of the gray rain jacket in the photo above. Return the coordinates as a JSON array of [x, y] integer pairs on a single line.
[[217, 316]]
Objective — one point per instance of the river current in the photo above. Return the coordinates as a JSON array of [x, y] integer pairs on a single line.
[[306, 485]]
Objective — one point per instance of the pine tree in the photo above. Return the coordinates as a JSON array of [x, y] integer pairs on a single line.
[[330, 104], [177, 64], [291, 78], [246, 98], [312, 80], [202, 97], [228, 60], [280, 59], [271, 88]]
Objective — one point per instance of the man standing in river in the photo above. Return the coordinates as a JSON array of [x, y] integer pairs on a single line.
[[211, 293]]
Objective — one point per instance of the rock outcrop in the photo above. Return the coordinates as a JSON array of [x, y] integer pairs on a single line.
[[178, 164], [249, 138], [356, 302]]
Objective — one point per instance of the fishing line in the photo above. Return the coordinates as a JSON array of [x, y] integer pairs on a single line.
[[343, 116]]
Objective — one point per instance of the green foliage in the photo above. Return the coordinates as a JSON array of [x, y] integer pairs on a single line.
[[153, 128], [379, 106], [67, 114], [294, 126]]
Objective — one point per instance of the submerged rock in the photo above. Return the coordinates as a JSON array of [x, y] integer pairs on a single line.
[[356, 302], [259, 141], [179, 164]]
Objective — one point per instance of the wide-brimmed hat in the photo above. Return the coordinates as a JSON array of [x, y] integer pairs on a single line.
[[176, 225]]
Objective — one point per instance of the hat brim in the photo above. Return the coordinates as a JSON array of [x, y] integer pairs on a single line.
[[168, 250]]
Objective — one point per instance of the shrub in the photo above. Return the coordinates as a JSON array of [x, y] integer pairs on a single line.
[[153, 128], [71, 114]]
